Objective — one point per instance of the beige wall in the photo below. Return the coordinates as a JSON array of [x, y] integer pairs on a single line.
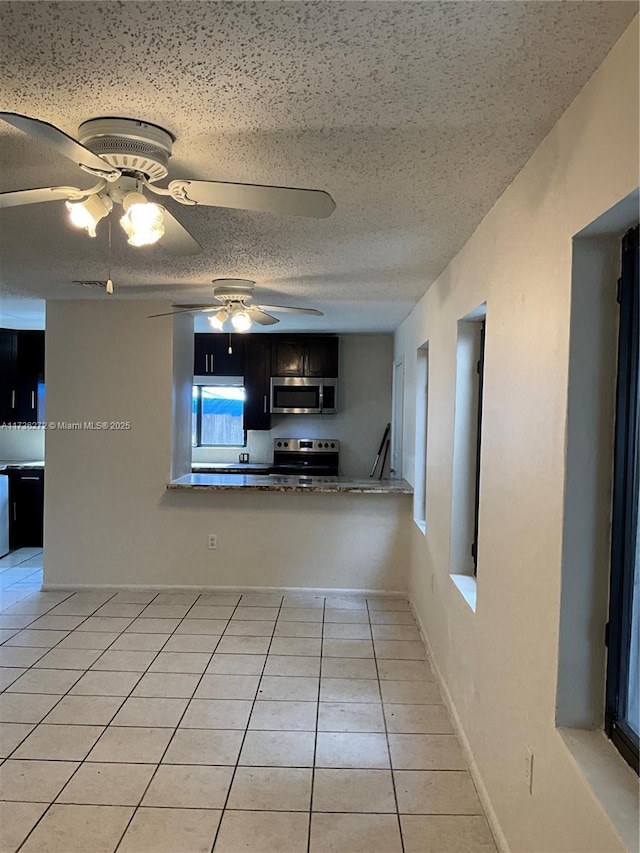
[[500, 663], [108, 516]]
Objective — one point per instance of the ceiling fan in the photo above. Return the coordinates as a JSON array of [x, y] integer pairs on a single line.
[[128, 156], [234, 293]]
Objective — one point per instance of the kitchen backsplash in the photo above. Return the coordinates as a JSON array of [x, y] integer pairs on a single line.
[[22, 445]]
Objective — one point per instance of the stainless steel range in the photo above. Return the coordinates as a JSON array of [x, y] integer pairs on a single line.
[[314, 457]]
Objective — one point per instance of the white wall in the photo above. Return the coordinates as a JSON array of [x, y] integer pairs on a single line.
[[108, 516], [364, 409], [500, 664]]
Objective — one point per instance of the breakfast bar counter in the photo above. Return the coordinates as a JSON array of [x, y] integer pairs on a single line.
[[285, 483]]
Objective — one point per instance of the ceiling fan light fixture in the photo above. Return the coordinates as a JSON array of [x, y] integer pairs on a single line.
[[86, 214], [143, 220], [241, 321], [217, 320]]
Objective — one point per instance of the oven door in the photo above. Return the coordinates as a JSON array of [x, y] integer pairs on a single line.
[[296, 395]]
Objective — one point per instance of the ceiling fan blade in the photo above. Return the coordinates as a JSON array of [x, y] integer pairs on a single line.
[[35, 196], [187, 309], [259, 316], [287, 309], [289, 201], [61, 142], [176, 239]]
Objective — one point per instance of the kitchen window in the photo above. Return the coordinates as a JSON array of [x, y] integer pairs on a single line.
[[218, 416], [622, 714]]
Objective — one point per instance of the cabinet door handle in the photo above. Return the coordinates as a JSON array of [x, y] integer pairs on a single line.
[[13, 399], [265, 404], [33, 399], [29, 478], [206, 362], [14, 511]]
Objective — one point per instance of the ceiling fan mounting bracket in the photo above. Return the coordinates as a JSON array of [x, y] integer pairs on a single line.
[[129, 145]]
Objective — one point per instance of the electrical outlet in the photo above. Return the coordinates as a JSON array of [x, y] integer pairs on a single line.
[[213, 542], [528, 769]]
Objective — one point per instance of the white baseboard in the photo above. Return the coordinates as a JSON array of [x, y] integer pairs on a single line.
[[295, 590], [483, 794]]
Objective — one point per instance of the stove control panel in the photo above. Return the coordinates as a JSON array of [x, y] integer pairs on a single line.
[[308, 445]]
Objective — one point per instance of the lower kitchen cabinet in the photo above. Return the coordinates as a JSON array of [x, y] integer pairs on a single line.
[[26, 508]]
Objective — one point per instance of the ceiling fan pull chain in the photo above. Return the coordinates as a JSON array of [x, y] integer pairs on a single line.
[[109, 282], [230, 349]]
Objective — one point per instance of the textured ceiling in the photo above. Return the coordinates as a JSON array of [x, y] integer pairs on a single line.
[[415, 116]]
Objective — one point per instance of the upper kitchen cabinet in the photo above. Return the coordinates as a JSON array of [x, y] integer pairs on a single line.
[[257, 364], [212, 356], [22, 376], [304, 355]]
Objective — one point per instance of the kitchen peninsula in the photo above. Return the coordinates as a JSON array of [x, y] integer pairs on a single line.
[[290, 483]]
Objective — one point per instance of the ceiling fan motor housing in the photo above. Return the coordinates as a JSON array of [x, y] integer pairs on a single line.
[[129, 145], [234, 290]]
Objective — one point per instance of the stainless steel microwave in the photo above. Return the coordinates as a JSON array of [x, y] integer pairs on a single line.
[[303, 395]]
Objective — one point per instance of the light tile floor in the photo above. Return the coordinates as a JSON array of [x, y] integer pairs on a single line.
[[182, 723]]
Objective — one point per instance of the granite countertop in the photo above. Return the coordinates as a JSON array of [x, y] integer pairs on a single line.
[[280, 483], [230, 467], [15, 465]]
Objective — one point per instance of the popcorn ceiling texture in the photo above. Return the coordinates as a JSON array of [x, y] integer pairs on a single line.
[[415, 116]]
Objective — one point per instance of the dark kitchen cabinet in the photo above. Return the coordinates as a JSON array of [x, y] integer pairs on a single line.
[[304, 355], [26, 508], [257, 370], [212, 356], [22, 376]]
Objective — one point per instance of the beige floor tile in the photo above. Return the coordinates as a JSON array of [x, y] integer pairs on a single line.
[[405, 670], [68, 659], [112, 624], [15, 620], [417, 719], [153, 626], [20, 655], [16, 822], [263, 832], [349, 668], [298, 629], [120, 609], [155, 712], [131, 745], [301, 614], [446, 834], [96, 683], [259, 613], [211, 612], [41, 639], [85, 710], [59, 742], [352, 750], [411, 692], [244, 645], [124, 661], [350, 717], [349, 690], [355, 833], [139, 642], [261, 599], [346, 602], [192, 643], [399, 650], [426, 752], [188, 598], [288, 688], [236, 664], [283, 716], [351, 617], [302, 599], [50, 622], [278, 749], [89, 640], [249, 628], [167, 684], [219, 598], [189, 786], [227, 687], [25, 707], [382, 603], [127, 596], [77, 829], [204, 746], [180, 662], [285, 789], [396, 632], [436, 792], [353, 791], [107, 784], [305, 646], [171, 830], [216, 714], [195, 627], [45, 681], [77, 605], [292, 665], [12, 735], [165, 611], [10, 674], [34, 781], [347, 648], [391, 617], [346, 631]]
